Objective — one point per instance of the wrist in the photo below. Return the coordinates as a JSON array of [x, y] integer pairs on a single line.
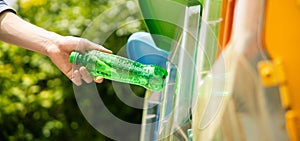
[[53, 44]]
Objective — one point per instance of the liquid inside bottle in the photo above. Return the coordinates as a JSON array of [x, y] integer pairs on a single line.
[[121, 69]]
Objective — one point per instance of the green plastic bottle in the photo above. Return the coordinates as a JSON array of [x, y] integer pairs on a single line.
[[121, 69]]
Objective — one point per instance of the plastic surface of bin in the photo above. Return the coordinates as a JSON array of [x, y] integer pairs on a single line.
[[178, 94], [281, 39], [140, 47], [208, 44], [233, 104], [164, 19], [226, 24]]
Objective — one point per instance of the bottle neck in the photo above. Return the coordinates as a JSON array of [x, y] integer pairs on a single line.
[[75, 57]]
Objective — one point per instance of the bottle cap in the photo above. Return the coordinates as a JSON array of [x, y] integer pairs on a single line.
[[73, 57]]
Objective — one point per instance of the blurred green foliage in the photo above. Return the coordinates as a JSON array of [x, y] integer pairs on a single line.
[[36, 100]]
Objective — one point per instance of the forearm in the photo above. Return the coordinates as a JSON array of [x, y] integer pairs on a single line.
[[17, 31]]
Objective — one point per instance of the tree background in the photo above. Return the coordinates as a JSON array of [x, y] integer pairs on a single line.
[[36, 100]]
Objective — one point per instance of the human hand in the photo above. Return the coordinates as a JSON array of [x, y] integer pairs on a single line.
[[19, 32], [59, 54]]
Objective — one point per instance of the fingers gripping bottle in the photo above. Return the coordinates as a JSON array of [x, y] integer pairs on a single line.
[[121, 69]]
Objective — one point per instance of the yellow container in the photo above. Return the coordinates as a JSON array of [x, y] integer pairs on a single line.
[[282, 41]]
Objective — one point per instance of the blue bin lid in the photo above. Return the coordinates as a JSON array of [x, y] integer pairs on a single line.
[[140, 47]]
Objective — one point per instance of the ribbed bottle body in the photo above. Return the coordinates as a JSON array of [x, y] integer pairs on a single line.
[[121, 69]]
